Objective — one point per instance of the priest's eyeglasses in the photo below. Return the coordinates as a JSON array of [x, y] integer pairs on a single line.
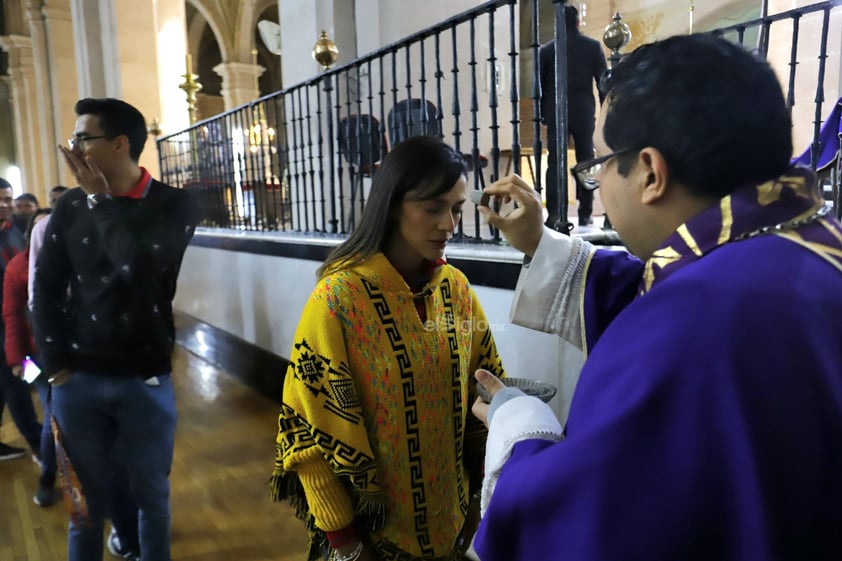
[[587, 171]]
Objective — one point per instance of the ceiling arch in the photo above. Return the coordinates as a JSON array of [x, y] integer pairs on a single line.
[[249, 14], [216, 14], [196, 25]]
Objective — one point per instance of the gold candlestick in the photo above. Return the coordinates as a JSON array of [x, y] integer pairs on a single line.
[[190, 86]]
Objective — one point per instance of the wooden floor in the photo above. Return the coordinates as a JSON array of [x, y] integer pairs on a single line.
[[220, 503]]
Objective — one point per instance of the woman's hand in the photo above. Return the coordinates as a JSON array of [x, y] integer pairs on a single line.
[[17, 371]]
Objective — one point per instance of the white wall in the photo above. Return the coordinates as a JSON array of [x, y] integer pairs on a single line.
[[260, 298]]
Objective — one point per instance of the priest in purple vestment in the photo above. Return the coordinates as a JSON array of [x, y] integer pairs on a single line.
[[707, 420]]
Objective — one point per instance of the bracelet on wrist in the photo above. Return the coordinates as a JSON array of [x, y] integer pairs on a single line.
[[353, 556], [340, 538]]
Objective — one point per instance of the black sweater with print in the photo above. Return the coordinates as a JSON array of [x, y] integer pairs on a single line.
[[120, 261]]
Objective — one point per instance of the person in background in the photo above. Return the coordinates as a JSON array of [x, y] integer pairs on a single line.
[[116, 244], [19, 347], [55, 193], [585, 66], [36, 238], [707, 420], [376, 448], [14, 392], [25, 206]]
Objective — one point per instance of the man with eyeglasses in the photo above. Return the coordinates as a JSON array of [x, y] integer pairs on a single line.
[[707, 420], [116, 242]]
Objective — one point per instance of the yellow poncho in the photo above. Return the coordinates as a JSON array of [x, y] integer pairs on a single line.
[[375, 427]]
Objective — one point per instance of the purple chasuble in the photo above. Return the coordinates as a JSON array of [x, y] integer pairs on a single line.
[[707, 421]]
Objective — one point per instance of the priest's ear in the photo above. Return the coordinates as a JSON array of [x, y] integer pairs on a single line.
[[653, 175]]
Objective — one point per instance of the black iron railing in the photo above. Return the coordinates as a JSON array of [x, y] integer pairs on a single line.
[[830, 171], [302, 159]]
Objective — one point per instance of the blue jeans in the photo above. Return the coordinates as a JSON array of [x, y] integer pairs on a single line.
[[108, 421], [47, 452]]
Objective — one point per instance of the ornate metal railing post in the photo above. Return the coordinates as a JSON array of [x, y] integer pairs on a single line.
[[561, 129], [616, 36]]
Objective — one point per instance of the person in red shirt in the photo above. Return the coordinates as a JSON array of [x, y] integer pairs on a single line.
[[13, 391], [19, 345]]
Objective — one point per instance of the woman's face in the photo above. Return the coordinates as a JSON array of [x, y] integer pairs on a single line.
[[425, 226]]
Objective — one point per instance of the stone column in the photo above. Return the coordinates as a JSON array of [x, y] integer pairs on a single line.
[[134, 51], [23, 88], [51, 31], [63, 76], [299, 32], [136, 48], [151, 52], [7, 141], [239, 82], [45, 141], [94, 41], [170, 18]]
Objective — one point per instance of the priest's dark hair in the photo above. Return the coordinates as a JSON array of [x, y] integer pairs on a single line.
[[713, 109]]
